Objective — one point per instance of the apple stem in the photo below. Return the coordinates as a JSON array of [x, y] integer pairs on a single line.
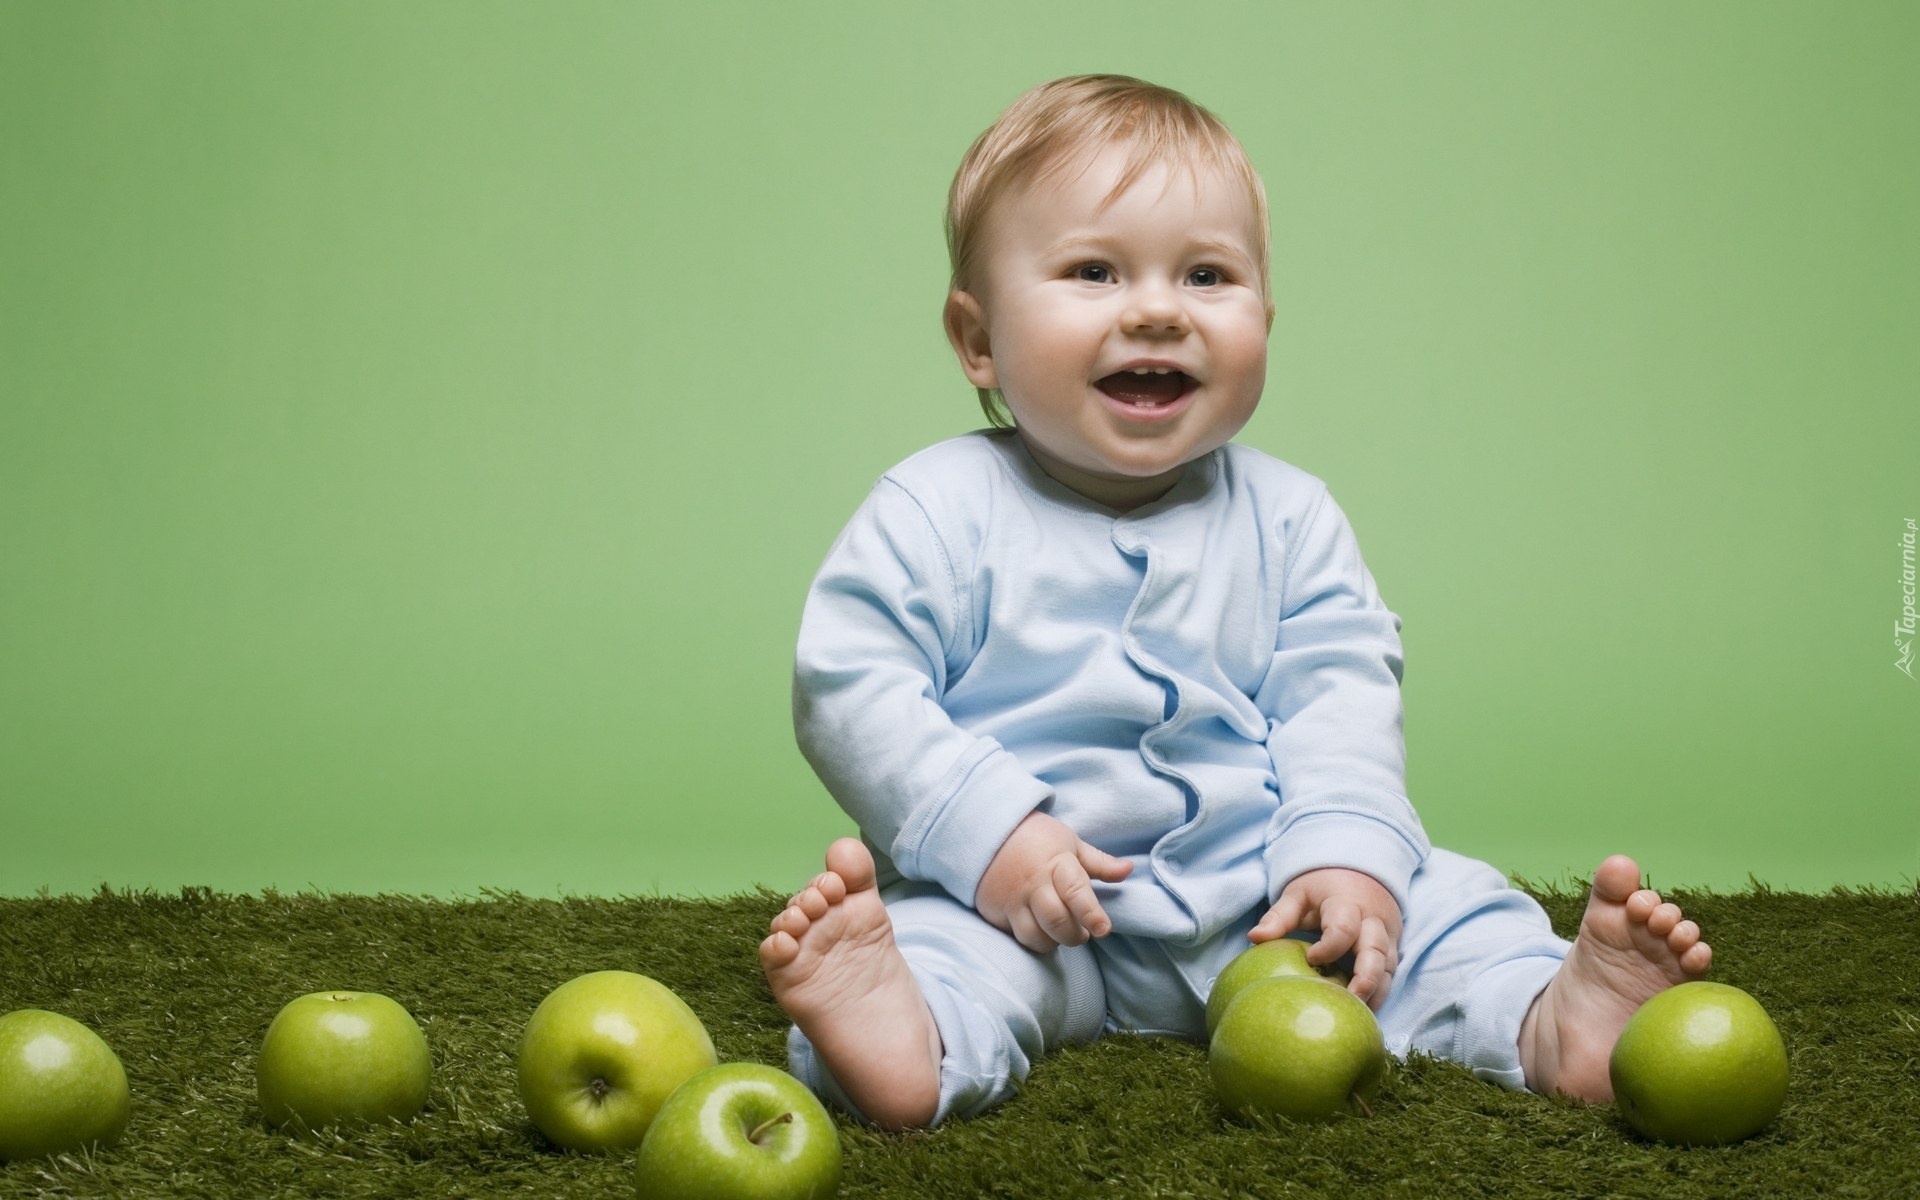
[[1362, 1102], [761, 1129]]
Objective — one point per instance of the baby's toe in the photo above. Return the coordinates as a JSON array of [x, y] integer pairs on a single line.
[[777, 951], [1642, 904], [831, 886], [1684, 935], [1616, 878], [1663, 920], [1697, 959], [849, 859], [792, 921], [810, 902]]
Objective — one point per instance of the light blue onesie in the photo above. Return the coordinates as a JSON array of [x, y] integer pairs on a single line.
[[1208, 685]]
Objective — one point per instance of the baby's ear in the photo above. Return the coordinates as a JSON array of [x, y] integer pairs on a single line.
[[966, 324]]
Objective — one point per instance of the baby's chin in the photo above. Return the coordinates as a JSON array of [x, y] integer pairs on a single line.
[[1113, 486]]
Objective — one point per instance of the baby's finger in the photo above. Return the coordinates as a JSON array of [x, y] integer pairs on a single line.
[[1283, 918], [1075, 892], [1101, 865], [1026, 931], [1051, 914], [1372, 974], [1339, 932]]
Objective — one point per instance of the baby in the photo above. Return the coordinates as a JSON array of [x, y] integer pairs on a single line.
[[1111, 696]]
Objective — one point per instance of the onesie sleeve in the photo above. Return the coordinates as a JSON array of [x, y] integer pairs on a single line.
[[882, 631], [1332, 700]]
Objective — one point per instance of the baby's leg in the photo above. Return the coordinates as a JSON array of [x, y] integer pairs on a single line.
[[1630, 947], [832, 963], [1474, 953], [1484, 981], [994, 1007]]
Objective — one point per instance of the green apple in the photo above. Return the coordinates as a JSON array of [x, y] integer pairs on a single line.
[[343, 1058], [1281, 956], [1699, 1064], [740, 1131], [61, 1087], [602, 1053], [1295, 1047]]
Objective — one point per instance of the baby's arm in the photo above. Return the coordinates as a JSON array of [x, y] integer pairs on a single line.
[[1344, 842], [887, 621], [1353, 912], [1039, 886]]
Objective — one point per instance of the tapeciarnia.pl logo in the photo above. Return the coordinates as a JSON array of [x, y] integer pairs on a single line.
[[1903, 628]]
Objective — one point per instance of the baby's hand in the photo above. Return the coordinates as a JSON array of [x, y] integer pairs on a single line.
[[1353, 911], [1039, 886]]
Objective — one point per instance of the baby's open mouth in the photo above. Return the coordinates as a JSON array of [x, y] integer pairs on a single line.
[[1149, 390]]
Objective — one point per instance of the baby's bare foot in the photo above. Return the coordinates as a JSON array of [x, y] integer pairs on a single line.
[[833, 966], [1630, 947]]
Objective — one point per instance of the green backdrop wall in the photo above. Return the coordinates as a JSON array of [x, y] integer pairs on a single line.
[[421, 420]]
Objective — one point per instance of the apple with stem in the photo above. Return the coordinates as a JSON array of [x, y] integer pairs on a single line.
[[740, 1131], [601, 1054], [61, 1087], [343, 1058]]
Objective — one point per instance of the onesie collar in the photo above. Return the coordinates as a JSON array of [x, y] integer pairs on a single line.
[[1193, 484]]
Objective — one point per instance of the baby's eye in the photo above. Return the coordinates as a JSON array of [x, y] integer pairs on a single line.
[[1080, 272], [1205, 276]]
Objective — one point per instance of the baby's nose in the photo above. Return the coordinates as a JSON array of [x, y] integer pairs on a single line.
[[1152, 309]]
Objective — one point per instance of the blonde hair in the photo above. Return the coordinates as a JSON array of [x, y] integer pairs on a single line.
[[1066, 121]]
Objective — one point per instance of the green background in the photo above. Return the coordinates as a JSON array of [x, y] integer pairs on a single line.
[[421, 421]]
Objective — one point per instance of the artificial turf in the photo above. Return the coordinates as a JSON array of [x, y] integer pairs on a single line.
[[183, 987]]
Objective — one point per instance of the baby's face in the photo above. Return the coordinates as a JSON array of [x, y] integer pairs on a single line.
[[1073, 300]]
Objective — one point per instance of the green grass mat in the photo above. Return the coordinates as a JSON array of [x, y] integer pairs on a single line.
[[183, 988]]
